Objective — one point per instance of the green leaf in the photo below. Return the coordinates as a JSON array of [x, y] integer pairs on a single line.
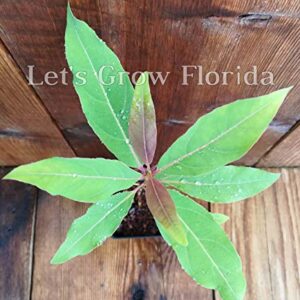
[[92, 229], [222, 136], [209, 258], [142, 124], [106, 106], [225, 184], [219, 218], [80, 179], [163, 210]]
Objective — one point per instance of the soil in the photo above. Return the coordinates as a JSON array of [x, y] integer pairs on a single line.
[[139, 221]]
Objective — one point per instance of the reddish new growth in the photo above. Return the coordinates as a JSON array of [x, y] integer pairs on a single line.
[[146, 171]]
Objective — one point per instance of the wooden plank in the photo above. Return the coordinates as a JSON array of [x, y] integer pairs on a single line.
[[286, 153], [42, 46], [17, 215], [143, 268], [177, 284], [27, 132], [163, 36], [266, 231]]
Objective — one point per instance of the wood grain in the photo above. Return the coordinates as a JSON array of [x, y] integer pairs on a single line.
[[266, 232], [17, 215], [163, 36], [177, 284], [27, 132], [286, 153], [142, 268]]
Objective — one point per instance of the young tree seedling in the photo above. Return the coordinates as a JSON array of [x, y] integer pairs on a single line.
[[196, 165]]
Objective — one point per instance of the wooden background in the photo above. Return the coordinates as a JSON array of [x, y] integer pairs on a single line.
[[265, 230], [41, 121]]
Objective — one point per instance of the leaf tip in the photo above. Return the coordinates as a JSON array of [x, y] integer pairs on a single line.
[[220, 219], [288, 89], [69, 10], [9, 176], [183, 241], [180, 236], [146, 75], [276, 176], [56, 259], [143, 80], [282, 93], [70, 15]]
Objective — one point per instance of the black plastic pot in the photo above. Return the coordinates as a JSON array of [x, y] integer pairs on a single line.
[[139, 222]]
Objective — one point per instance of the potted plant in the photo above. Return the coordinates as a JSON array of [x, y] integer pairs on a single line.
[[195, 166]]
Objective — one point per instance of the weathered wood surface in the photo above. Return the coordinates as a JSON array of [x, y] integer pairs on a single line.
[[286, 153], [120, 269], [163, 36], [266, 231], [17, 215], [27, 132]]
